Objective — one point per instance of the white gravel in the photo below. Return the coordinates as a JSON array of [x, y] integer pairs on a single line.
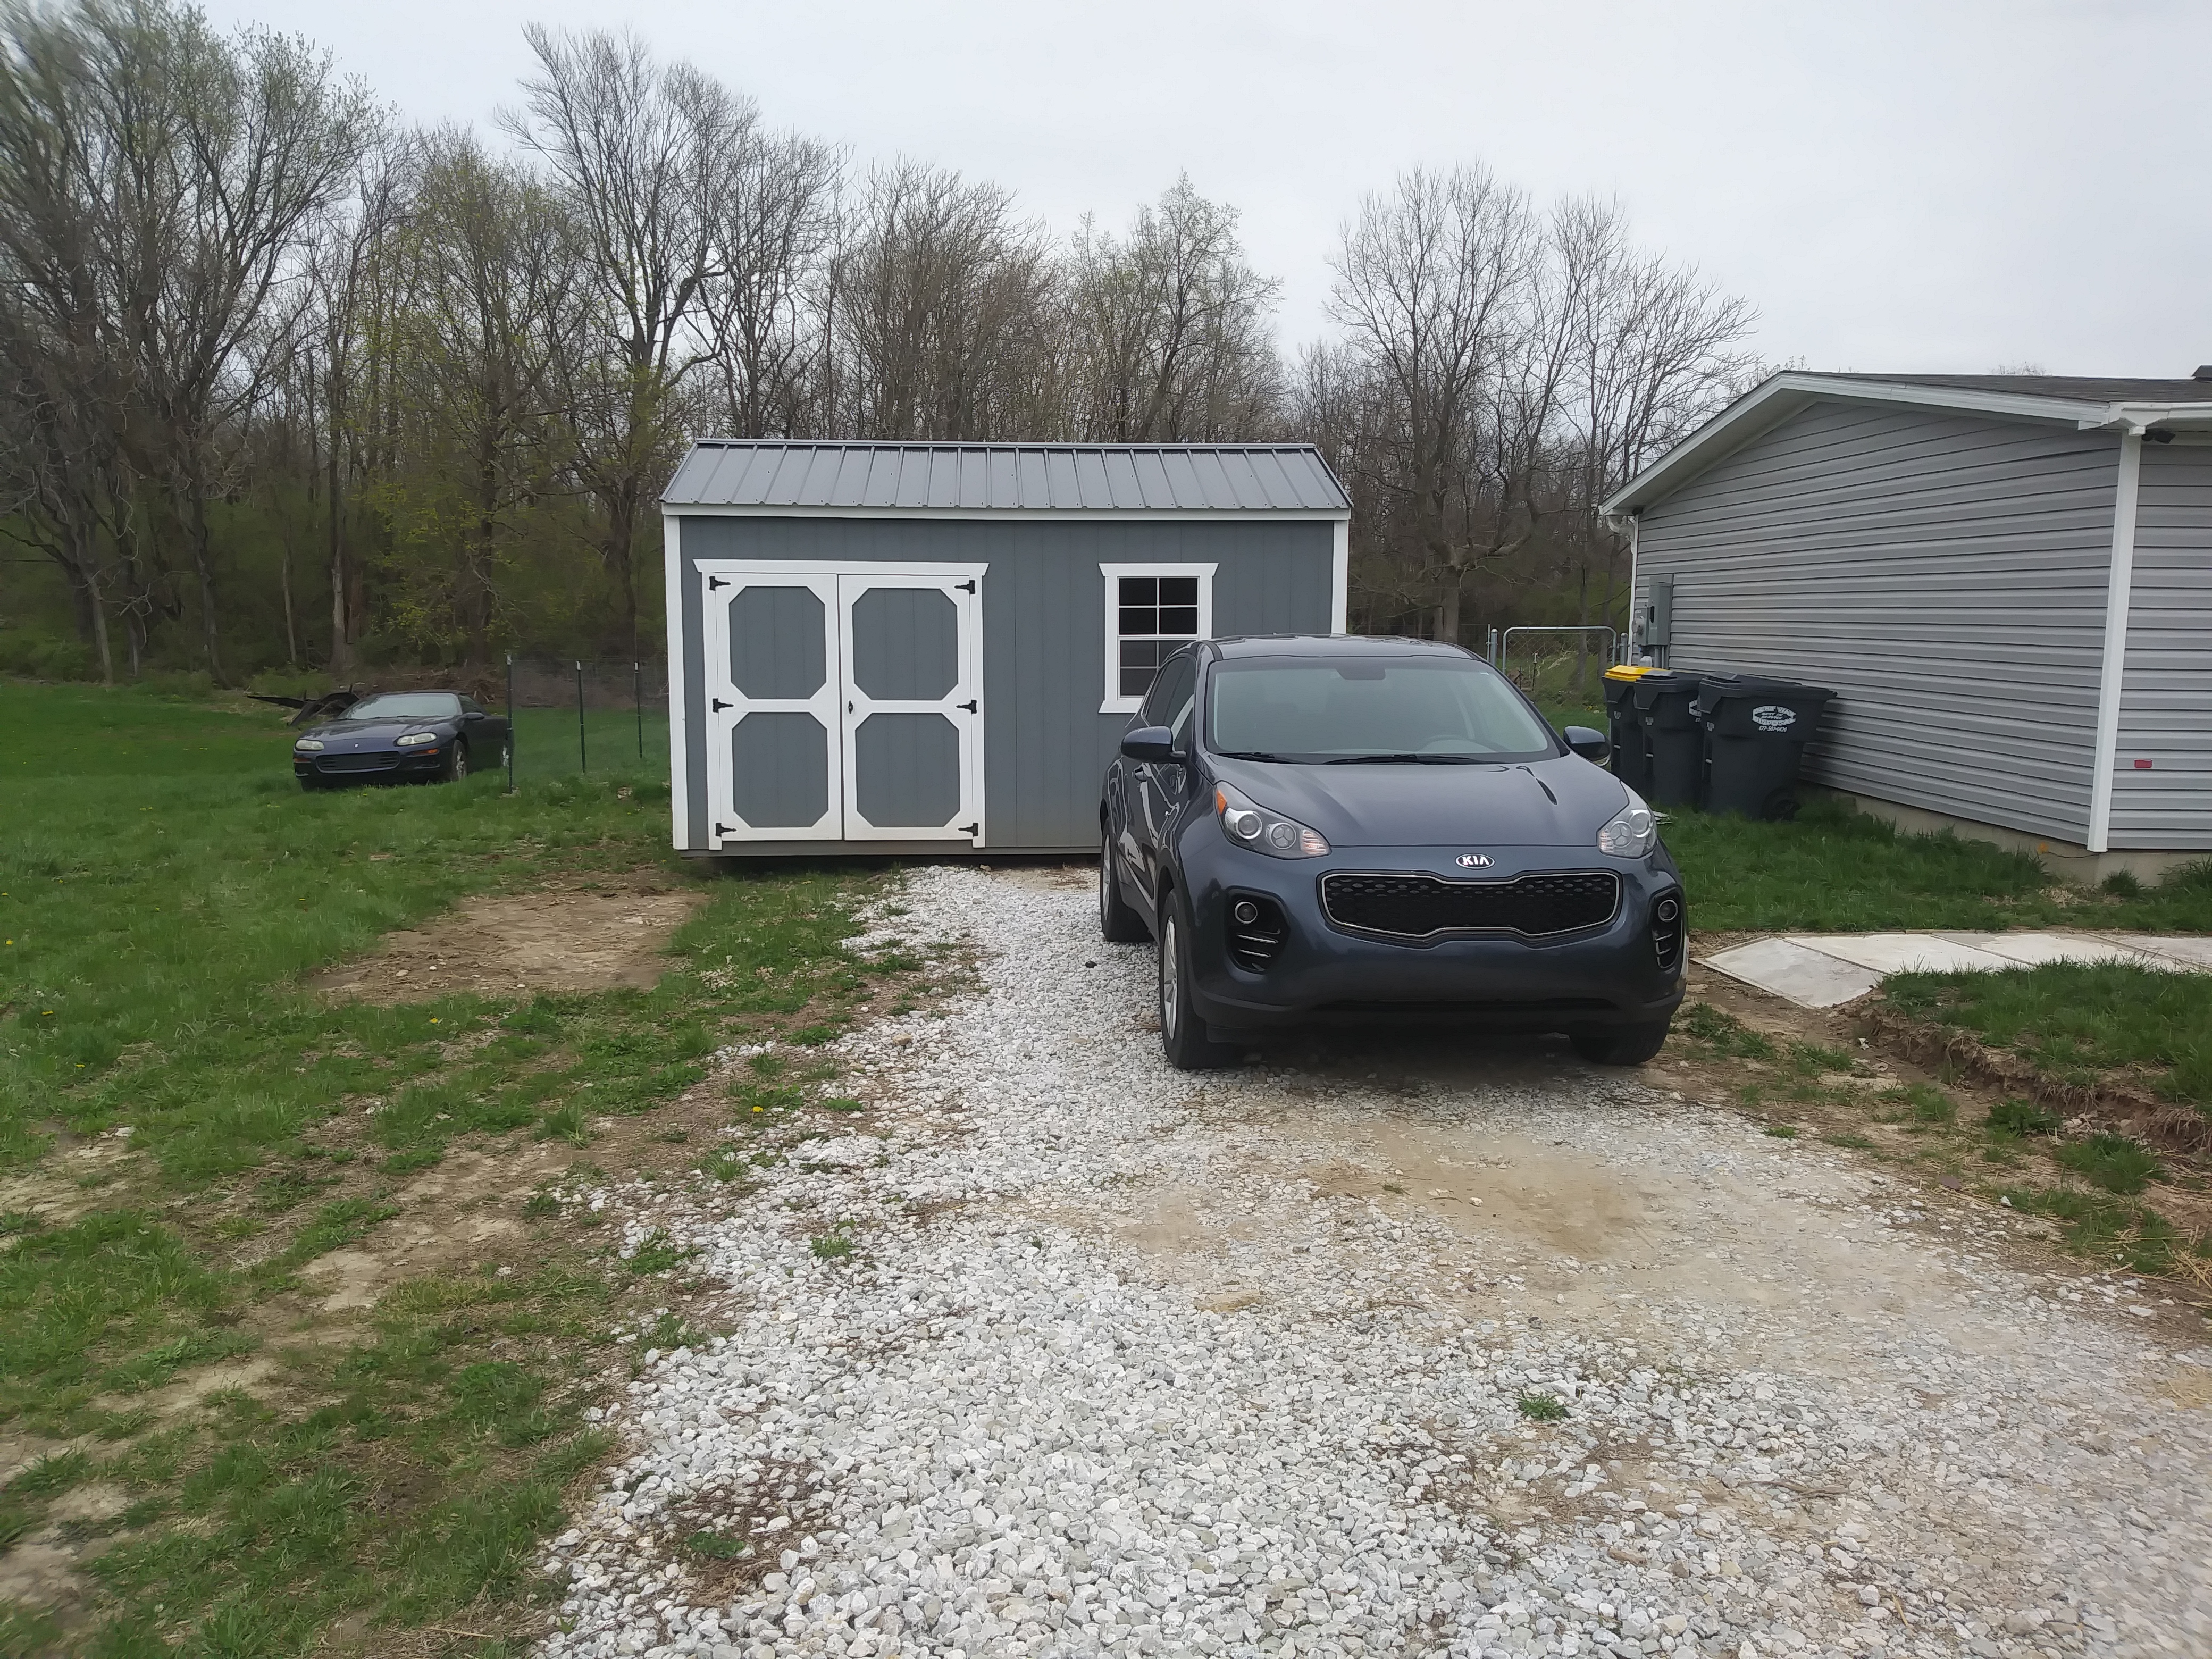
[[1126, 1361]]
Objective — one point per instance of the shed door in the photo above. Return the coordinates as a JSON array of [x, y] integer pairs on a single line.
[[773, 715], [912, 716], [842, 703]]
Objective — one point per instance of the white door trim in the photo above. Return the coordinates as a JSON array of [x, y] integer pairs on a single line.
[[679, 682], [854, 580], [2119, 595], [824, 704]]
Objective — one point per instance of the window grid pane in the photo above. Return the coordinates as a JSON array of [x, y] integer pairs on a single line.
[[1156, 614]]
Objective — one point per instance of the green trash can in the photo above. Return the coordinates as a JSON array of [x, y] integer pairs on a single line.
[[1674, 740], [1632, 764], [1755, 731]]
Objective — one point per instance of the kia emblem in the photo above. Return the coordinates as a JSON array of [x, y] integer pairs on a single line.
[[1475, 860]]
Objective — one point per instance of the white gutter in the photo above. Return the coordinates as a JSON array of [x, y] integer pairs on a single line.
[[2118, 585]]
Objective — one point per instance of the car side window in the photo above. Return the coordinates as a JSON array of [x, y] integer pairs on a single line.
[[1170, 692], [470, 706]]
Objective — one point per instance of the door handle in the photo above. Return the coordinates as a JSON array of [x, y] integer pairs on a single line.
[[848, 708]]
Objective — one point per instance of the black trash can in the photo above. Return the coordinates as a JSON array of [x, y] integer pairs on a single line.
[[1674, 740], [1631, 762], [1755, 732]]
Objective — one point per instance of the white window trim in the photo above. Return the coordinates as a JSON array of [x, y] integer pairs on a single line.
[[1115, 703]]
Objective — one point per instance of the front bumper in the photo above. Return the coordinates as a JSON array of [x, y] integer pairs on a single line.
[[1620, 972], [371, 765]]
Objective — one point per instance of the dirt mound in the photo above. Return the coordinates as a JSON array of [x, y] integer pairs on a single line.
[[549, 941]]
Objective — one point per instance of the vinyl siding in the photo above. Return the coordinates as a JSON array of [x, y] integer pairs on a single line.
[[2165, 694], [1045, 743], [1945, 575]]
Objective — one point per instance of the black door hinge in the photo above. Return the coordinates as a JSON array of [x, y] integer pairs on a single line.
[[721, 829], [968, 586], [971, 828], [969, 705], [714, 582], [719, 705]]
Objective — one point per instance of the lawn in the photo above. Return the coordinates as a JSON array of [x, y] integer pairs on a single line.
[[184, 1129]]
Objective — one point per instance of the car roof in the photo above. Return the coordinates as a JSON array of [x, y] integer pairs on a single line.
[[1332, 644]]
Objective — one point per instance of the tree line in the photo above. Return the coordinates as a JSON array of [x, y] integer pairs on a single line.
[[287, 383]]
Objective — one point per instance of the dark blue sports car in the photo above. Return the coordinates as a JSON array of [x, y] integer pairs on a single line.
[[396, 736], [1328, 828]]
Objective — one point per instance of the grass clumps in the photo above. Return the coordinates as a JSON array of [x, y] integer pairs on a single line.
[[2112, 1162], [1541, 1408]]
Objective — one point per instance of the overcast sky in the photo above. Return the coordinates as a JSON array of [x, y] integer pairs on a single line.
[[1939, 185]]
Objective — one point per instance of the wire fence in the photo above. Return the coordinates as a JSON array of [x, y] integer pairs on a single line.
[[588, 718]]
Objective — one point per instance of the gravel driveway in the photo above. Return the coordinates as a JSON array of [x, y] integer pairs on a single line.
[[1128, 1361]]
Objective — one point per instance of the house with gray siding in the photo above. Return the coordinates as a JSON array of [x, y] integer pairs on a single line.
[[934, 649], [2006, 579]]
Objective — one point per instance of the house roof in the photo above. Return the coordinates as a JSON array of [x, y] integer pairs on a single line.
[[958, 480], [2087, 403]]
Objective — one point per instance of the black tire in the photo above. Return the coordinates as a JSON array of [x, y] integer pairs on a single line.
[[457, 764], [1183, 1028], [1620, 1045], [1117, 923]]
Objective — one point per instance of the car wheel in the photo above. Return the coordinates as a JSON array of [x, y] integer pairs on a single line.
[[1182, 1029], [1117, 923], [1620, 1045], [458, 766]]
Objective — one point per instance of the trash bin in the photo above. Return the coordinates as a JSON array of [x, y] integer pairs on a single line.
[[1632, 764], [1755, 731], [1674, 740]]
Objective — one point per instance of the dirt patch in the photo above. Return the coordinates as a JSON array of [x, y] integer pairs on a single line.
[[561, 940]]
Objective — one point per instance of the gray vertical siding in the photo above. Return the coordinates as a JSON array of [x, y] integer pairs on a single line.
[[1945, 573], [1046, 744], [2166, 700]]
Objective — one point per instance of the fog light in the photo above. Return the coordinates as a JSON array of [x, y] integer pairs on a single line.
[[1667, 909], [1246, 911]]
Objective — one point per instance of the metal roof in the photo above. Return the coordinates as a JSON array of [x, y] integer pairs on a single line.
[[827, 476]]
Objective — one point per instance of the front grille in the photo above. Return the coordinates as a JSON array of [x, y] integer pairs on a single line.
[[1256, 939], [355, 762], [1666, 924], [1424, 907]]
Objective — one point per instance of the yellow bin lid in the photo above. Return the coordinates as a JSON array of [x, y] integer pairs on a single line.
[[1627, 672]]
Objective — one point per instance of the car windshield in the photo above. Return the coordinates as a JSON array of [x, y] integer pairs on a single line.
[[406, 706], [1436, 710]]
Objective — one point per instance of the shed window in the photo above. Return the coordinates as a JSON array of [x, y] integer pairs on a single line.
[[1151, 613]]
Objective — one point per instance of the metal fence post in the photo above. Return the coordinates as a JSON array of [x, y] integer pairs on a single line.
[[637, 701], [583, 759], [510, 722]]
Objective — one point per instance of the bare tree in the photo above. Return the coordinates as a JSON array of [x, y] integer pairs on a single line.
[[1171, 327], [775, 230], [641, 153], [1432, 286]]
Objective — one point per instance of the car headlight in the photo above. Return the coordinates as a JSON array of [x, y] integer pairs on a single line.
[[1263, 831], [308, 744], [1629, 833], [414, 738]]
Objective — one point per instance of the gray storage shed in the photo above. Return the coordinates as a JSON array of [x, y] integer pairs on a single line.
[[2008, 579], [919, 647]]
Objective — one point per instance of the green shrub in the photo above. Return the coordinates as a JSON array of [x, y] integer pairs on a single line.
[[41, 657], [2023, 1117], [2112, 1162]]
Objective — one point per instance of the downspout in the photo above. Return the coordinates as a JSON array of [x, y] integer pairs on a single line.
[[2118, 585]]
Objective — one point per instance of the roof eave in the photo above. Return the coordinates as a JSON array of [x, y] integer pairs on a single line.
[[1780, 396]]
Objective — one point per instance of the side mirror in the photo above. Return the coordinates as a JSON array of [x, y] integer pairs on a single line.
[[1591, 745], [472, 713], [1148, 743]]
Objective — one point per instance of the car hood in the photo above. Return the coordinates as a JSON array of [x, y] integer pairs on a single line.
[[390, 728], [1560, 802]]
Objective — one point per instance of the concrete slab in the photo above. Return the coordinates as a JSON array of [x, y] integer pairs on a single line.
[[2033, 949], [1904, 953], [1794, 971], [2188, 950]]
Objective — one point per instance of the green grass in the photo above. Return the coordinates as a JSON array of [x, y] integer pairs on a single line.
[[1541, 1408], [1835, 870], [2075, 1022], [2113, 1228], [2112, 1162], [165, 891]]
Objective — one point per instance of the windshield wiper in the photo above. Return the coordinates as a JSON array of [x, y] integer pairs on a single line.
[[1404, 759], [1255, 755]]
